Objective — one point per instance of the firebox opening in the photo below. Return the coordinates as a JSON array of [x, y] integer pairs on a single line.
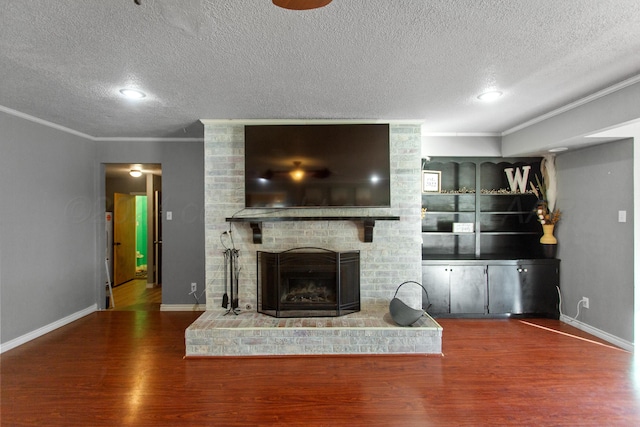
[[298, 283], [309, 291]]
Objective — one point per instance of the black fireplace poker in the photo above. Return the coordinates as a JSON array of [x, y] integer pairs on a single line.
[[231, 279], [231, 275]]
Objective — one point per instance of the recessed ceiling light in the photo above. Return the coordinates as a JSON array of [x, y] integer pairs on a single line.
[[490, 96], [558, 149], [132, 93]]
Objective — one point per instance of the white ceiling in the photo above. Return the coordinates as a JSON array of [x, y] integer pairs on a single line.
[[64, 61]]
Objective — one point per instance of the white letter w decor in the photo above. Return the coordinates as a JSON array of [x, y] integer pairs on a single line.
[[519, 180]]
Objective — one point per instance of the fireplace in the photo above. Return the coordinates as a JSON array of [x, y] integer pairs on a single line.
[[308, 282]]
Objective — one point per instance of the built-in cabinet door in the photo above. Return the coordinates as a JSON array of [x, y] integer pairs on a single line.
[[539, 292], [468, 289], [435, 279], [505, 295], [527, 287]]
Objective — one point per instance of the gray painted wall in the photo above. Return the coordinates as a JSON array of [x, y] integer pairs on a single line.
[[183, 195], [48, 228], [613, 308], [183, 237], [125, 185], [52, 243], [596, 250]]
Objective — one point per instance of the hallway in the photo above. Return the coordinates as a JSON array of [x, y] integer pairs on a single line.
[[135, 296]]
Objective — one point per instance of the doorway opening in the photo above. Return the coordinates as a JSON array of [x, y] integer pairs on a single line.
[[142, 231], [134, 239]]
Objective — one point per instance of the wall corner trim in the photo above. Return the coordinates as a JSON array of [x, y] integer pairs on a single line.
[[624, 344], [47, 328]]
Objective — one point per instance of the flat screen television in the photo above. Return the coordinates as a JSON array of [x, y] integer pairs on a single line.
[[293, 166]]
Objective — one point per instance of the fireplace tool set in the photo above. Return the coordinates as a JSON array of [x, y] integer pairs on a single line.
[[231, 276]]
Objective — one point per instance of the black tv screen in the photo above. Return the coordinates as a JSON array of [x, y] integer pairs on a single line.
[[288, 166]]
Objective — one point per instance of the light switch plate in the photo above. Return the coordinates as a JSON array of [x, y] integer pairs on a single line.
[[622, 216]]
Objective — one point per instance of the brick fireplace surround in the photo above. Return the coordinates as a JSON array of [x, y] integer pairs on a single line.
[[393, 257]]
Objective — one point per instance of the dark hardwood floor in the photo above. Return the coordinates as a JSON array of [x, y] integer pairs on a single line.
[[126, 368]]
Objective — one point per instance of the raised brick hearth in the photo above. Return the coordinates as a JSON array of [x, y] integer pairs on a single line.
[[254, 334]]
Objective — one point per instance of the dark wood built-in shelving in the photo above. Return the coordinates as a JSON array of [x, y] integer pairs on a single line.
[[497, 269], [476, 191]]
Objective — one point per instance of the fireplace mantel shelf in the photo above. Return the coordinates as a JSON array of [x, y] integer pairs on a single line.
[[368, 221]]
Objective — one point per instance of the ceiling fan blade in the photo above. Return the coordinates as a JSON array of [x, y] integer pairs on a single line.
[[301, 4]]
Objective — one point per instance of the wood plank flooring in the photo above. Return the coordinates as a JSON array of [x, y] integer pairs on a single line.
[[134, 295], [126, 368]]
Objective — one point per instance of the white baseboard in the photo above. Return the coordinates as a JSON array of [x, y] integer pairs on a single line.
[[47, 328], [183, 307], [624, 344]]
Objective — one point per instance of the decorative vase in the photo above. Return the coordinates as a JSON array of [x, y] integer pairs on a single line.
[[547, 237], [548, 241]]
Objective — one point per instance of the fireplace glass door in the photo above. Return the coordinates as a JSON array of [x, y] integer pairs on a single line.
[[306, 282]]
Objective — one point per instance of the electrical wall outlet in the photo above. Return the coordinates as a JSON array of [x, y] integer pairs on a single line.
[[194, 287], [585, 302]]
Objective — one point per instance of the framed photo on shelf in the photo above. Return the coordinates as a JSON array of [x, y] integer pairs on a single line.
[[431, 181]]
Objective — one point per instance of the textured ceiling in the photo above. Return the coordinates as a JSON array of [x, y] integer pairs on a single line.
[[64, 61]]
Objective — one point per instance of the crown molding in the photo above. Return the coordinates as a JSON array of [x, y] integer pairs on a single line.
[[70, 131], [145, 139], [587, 99], [258, 122], [45, 123], [462, 134]]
